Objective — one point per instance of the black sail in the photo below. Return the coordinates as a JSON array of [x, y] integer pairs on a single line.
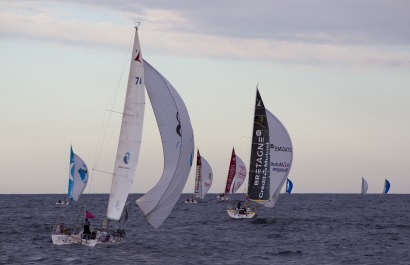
[[259, 168]]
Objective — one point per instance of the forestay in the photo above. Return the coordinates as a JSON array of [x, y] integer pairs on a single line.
[[178, 146]]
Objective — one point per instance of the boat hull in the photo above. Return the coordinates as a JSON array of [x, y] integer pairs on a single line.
[[72, 239], [241, 214]]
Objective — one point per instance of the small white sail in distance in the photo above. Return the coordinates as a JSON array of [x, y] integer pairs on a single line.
[[364, 186], [203, 178], [236, 174]]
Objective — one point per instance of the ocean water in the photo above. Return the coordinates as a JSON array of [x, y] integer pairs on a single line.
[[300, 229]]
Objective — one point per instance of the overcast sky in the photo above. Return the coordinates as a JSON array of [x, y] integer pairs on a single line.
[[336, 73]]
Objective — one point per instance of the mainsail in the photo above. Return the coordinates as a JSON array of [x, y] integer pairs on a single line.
[[271, 156], [364, 186], [78, 176], [236, 174], [289, 186], [386, 187], [203, 179], [130, 135], [178, 146]]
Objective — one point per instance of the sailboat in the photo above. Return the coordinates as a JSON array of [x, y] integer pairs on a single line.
[[178, 147], [270, 161], [386, 186], [236, 176], [203, 179], [364, 186], [77, 179], [289, 186]]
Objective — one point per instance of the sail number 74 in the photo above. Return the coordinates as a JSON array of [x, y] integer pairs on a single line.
[[139, 80]]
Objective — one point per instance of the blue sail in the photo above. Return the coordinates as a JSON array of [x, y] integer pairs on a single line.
[[289, 186], [386, 187], [71, 176], [78, 177]]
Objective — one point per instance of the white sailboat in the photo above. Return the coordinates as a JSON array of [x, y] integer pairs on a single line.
[[203, 179], [178, 147], [270, 161], [236, 176], [364, 186]]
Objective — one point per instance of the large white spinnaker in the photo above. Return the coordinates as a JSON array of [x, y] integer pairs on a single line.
[[130, 135], [281, 155], [78, 177], [203, 180], [178, 146]]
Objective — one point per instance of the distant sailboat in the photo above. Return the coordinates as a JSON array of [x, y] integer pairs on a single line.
[[236, 176], [271, 159], [203, 179], [364, 186], [289, 186], [178, 147], [386, 186], [77, 178]]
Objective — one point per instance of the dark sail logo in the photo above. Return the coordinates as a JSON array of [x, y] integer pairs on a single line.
[[83, 173], [137, 58], [178, 129], [127, 157], [277, 148]]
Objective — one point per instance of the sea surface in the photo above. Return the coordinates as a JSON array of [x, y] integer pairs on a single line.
[[300, 229]]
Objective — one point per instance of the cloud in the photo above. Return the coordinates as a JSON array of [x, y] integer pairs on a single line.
[[274, 31]]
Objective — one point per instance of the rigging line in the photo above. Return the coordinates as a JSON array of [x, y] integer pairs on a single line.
[[110, 173], [115, 94]]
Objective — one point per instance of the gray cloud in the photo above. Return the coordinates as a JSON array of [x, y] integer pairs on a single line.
[[320, 32], [365, 22]]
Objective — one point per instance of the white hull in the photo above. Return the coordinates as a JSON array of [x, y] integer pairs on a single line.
[[236, 214], [62, 203], [191, 201], [72, 239]]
